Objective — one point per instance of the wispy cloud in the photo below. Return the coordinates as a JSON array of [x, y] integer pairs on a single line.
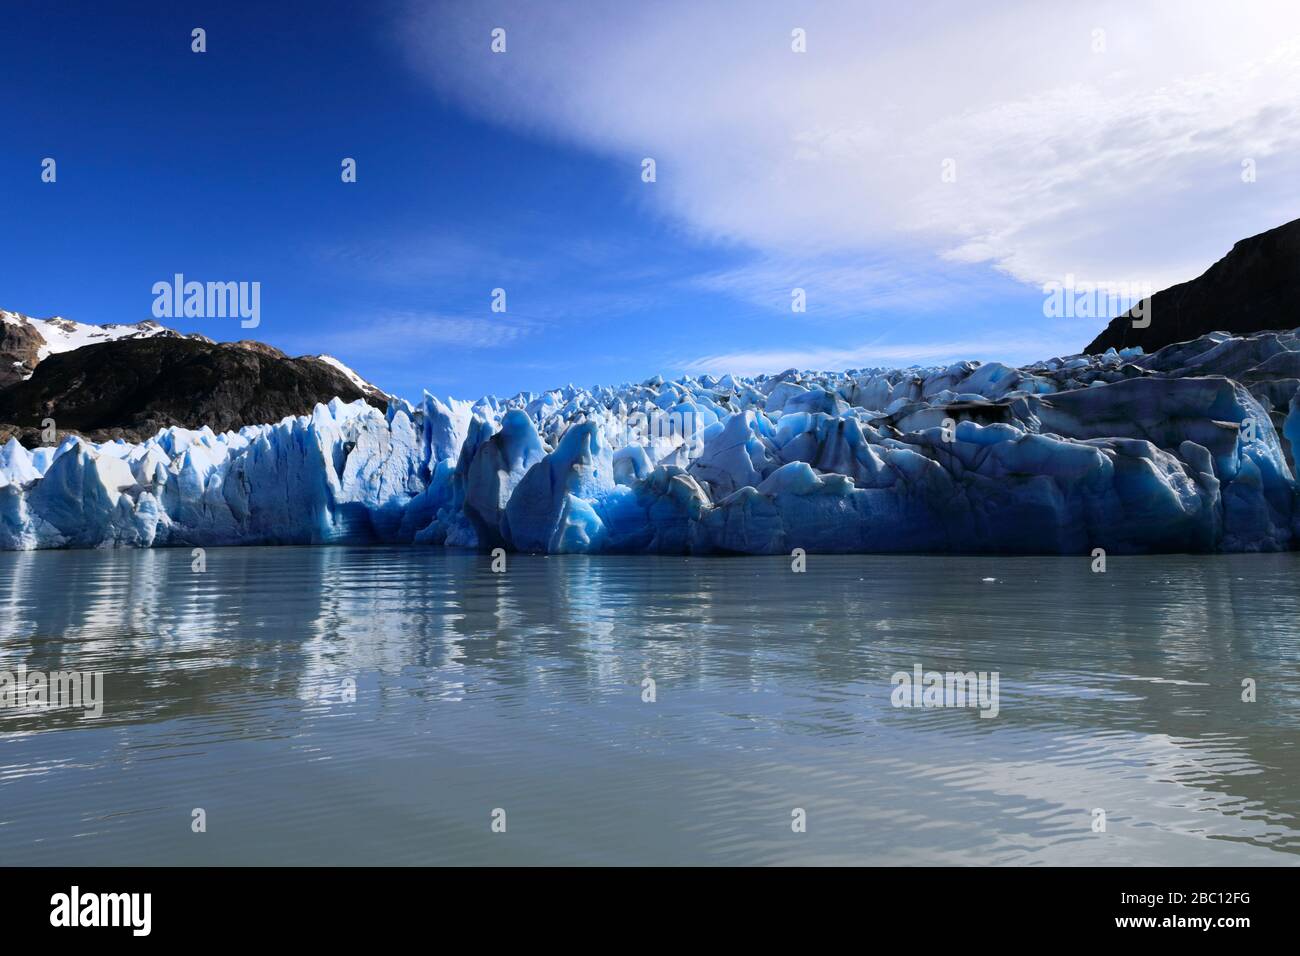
[[414, 336], [838, 286], [873, 355], [423, 259], [1109, 155]]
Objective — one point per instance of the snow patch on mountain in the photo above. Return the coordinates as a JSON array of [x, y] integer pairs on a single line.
[[351, 375]]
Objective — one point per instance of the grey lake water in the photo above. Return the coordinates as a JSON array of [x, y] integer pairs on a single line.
[[520, 698]]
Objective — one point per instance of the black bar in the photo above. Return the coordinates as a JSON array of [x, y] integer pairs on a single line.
[[332, 906]]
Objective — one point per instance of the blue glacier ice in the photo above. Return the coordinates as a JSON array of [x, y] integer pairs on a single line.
[[1186, 449]]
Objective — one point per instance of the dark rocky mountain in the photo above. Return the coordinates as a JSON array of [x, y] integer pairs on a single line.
[[132, 387], [24, 341], [1254, 288]]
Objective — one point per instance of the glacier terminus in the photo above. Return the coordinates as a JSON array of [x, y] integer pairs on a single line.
[[1185, 449]]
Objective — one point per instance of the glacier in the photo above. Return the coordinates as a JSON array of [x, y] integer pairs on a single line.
[[1185, 449]]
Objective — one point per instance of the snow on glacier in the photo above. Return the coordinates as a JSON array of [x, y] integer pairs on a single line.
[[1186, 449]]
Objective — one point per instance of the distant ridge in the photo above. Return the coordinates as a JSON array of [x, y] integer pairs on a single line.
[[1254, 288]]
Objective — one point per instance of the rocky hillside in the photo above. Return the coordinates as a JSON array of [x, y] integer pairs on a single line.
[[132, 386], [25, 341], [1254, 288]]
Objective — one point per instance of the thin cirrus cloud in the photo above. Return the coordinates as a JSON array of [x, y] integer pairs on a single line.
[[836, 286], [420, 260], [874, 355], [1104, 140], [405, 335]]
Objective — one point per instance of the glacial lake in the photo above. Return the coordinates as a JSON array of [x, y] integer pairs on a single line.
[[384, 706]]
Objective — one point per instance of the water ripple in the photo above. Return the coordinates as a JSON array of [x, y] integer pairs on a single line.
[[375, 705]]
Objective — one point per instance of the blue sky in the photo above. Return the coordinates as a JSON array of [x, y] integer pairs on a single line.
[[775, 170]]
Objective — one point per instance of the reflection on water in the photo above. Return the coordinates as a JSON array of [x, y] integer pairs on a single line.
[[226, 690]]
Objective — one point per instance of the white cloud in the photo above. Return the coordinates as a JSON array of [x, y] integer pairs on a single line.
[[1123, 164]]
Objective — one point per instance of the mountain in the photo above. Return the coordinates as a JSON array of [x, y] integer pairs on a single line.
[[1254, 288], [138, 379]]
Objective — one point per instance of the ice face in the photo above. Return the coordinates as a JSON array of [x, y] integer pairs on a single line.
[[1189, 448]]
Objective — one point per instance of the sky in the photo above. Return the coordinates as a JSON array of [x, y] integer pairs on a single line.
[[919, 170]]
